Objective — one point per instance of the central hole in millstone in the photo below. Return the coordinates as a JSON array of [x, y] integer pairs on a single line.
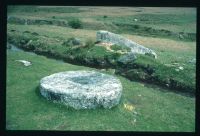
[[81, 80], [86, 79]]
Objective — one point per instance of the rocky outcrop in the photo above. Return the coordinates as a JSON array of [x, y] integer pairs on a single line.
[[105, 36], [82, 89]]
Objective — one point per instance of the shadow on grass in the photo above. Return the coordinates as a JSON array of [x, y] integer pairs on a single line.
[[166, 90]]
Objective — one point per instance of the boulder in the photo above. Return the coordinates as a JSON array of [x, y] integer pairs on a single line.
[[82, 89], [105, 36]]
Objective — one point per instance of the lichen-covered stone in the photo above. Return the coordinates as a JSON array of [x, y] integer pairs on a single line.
[[82, 89], [127, 59], [105, 36]]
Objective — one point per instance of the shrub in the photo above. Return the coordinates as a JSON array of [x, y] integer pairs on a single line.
[[71, 42], [89, 43], [136, 26], [75, 23]]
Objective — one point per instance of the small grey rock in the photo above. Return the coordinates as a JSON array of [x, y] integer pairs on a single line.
[[26, 63], [192, 61]]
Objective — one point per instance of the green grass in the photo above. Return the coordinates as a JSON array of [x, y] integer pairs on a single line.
[[161, 74], [36, 9], [174, 22], [158, 109], [51, 43], [153, 23]]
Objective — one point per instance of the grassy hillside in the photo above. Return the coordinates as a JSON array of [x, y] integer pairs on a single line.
[[173, 23], [52, 42], [152, 108]]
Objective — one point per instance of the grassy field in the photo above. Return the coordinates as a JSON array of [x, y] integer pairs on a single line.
[[50, 42], [169, 32], [154, 109], [157, 22]]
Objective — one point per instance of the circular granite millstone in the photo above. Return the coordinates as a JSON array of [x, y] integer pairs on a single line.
[[82, 89]]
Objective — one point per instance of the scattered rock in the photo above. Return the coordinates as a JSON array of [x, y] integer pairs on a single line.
[[82, 89], [135, 20], [192, 61], [26, 63], [181, 68], [105, 36]]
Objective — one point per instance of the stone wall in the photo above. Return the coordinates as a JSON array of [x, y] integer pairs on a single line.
[[105, 36]]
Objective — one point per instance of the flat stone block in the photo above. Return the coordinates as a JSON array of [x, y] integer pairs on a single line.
[[82, 89]]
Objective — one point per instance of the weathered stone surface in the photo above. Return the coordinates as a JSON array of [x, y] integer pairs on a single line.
[[126, 59], [105, 36], [82, 89]]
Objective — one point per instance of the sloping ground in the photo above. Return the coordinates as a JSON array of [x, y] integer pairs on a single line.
[[49, 41], [118, 27], [142, 108]]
